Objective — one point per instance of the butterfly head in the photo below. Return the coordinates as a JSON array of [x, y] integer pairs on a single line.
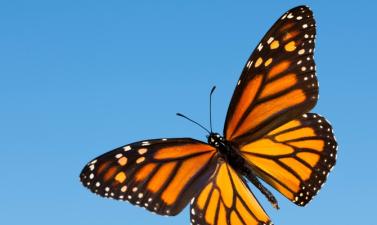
[[215, 139]]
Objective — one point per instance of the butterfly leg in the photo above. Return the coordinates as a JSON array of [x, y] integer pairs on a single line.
[[253, 179]]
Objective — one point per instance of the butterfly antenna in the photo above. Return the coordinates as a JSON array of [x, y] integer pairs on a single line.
[[210, 107], [181, 115]]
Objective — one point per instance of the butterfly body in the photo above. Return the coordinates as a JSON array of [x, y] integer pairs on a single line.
[[269, 134], [227, 151]]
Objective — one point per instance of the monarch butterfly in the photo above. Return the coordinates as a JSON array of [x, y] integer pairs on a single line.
[[269, 134]]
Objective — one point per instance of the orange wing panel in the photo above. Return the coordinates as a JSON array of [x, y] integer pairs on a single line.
[[161, 175], [278, 82], [294, 158]]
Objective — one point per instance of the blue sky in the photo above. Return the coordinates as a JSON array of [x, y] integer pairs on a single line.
[[79, 78]]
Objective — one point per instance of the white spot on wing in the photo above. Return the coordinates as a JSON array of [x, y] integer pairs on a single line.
[[260, 46], [270, 40], [248, 65], [145, 143]]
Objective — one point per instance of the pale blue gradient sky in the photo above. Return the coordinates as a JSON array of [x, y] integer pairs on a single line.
[[79, 78]]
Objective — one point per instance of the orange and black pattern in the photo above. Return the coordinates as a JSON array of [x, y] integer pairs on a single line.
[[161, 175], [295, 158], [227, 200], [268, 134], [278, 82]]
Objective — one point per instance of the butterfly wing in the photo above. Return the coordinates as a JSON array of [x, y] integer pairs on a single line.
[[278, 82], [161, 175], [295, 158], [226, 200]]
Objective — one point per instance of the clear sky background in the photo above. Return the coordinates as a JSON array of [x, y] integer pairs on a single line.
[[79, 78]]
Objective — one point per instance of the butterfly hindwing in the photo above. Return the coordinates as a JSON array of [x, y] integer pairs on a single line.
[[161, 175], [226, 200], [278, 82], [294, 158]]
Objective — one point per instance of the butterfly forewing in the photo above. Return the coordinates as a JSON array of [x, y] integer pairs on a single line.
[[226, 200], [278, 82], [161, 175], [294, 158]]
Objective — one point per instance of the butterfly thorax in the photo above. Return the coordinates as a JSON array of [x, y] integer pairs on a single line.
[[227, 151]]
